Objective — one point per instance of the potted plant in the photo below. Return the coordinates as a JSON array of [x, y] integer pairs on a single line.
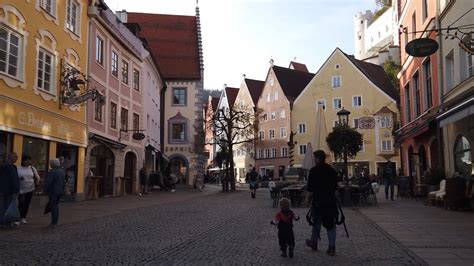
[[433, 177]]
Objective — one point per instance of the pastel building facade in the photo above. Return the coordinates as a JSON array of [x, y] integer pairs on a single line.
[[39, 39]]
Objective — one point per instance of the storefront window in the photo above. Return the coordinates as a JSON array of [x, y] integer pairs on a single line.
[[38, 149], [6, 141], [68, 158], [462, 157]]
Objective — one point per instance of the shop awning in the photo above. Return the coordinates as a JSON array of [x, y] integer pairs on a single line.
[[458, 112], [107, 142]]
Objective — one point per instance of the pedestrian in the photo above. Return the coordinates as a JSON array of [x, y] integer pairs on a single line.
[[143, 180], [284, 222], [247, 177], [54, 187], [173, 182], [253, 181], [9, 186], [389, 175], [29, 179], [321, 195]]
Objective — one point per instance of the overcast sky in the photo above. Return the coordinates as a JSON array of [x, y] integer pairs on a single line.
[[240, 36]]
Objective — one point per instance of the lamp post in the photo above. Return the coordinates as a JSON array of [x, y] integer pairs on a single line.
[[343, 116]]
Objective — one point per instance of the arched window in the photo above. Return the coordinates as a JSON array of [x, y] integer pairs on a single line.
[[462, 157]]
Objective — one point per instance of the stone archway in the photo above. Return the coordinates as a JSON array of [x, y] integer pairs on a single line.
[[102, 161], [179, 166], [130, 172]]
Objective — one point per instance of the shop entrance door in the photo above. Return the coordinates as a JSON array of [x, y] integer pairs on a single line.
[[130, 171], [102, 164], [67, 155]]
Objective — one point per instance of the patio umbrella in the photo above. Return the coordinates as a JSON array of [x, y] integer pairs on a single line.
[[308, 161], [320, 132]]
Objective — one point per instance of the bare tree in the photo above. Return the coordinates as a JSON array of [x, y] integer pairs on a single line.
[[233, 126]]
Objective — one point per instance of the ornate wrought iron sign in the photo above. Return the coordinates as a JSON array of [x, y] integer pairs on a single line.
[[366, 122], [75, 87]]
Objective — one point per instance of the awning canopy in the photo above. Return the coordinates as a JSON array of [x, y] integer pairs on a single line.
[[111, 144], [460, 111]]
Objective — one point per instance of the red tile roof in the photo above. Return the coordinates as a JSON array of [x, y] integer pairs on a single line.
[[298, 66], [292, 82], [173, 41], [231, 95], [255, 88]]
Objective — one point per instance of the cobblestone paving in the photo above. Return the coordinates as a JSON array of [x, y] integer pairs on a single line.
[[230, 229]]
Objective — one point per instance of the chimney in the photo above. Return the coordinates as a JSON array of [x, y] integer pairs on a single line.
[[122, 15]]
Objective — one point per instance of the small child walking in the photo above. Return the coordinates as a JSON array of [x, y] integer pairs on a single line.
[[284, 222]]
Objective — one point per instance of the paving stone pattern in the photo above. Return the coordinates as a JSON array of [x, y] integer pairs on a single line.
[[217, 228]]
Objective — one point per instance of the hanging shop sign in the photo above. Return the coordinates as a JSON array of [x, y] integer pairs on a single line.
[[75, 87], [421, 47], [366, 122], [138, 136]]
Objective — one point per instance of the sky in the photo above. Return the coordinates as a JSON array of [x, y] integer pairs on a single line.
[[241, 36]]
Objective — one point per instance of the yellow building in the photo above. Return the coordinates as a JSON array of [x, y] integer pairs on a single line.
[[38, 40], [361, 88]]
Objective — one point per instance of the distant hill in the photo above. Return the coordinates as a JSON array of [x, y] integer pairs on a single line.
[[213, 93]]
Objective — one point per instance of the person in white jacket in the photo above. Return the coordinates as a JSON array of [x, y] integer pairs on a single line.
[[29, 178]]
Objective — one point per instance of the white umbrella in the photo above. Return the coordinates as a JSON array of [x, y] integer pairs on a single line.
[[308, 161], [320, 132]]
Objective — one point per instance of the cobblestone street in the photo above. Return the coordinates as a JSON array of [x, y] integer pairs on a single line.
[[191, 228]]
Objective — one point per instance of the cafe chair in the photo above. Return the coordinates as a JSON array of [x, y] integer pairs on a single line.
[[436, 195]]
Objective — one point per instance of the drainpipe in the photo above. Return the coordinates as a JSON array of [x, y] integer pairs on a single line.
[[439, 130], [162, 124]]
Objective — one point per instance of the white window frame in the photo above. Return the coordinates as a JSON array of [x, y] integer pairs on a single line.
[[336, 81], [265, 117], [319, 102], [386, 121], [267, 153], [386, 145], [99, 50], [41, 80], [284, 151], [261, 134], [361, 101], [51, 9], [259, 153], [301, 128], [125, 72], [282, 114], [275, 96], [73, 27], [302, 149], [114, 66], [334, 107], [274, 152], [271, 133], [283, 132], [19, 55], [273, 115]]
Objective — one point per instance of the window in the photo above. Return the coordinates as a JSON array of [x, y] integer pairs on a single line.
[[301, 128], [302, 149], [265, 117], [10, 47], [416, 95], [274, 152], [261, 134], [259, 153], [272, 82], [136, 121], [282, 113], [45, 70], [463, 157], [124, 72], [124, 119], [336, 81], [283, 132], [424, 9], [428, 86], [268, 97], [99, 50], [273, 115], [413, 26], [321, 104], [357, 101], [114, 64], [179, 96], [275, 96], [267, 153], [337, 103], [407, 103], [355, 122], [449, 59], [284, 151], [113, 115], [271, 133], [98, 111], [136, 79], [49, 6], [178, 131], [72, 16], [386, 122], [386, 145], [337, 66]]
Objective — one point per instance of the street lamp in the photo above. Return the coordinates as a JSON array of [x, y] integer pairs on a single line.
[[343, 117]]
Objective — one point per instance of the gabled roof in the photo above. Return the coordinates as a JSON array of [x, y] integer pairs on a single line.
[[377, 75], [173, 41], [298, 66], [215, 103], [231, 95], [292, 82], [255, 88]]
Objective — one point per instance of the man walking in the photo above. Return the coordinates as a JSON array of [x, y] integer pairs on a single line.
[[389, 176], [9, 185], [253, 181], [321, 194], [54, 187], [143, 180]]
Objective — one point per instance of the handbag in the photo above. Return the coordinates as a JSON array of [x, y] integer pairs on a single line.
[[12, 214]]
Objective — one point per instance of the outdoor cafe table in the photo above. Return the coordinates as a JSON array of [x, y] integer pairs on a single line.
[[294, 192], [345, 193]]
